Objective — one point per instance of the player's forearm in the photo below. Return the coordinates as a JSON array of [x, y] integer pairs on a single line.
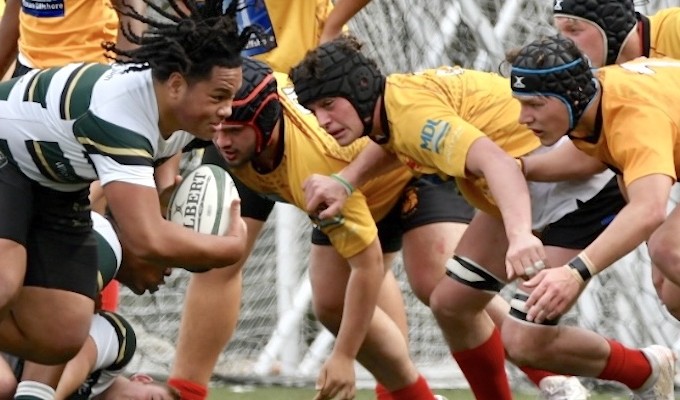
[[343, 11], [564, 163], [511, 194], [177, 246], [633, 225], [372, 162], [361, 297], [144, 232]]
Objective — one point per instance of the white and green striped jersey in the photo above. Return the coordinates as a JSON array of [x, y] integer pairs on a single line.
[[65, 127]]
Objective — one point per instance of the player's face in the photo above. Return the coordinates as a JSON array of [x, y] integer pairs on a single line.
[[546, 116], [236, 144], [205, 104], [141, 387], [587, 37], [338, 118]]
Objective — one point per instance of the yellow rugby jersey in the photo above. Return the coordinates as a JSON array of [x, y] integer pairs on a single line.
[[291, 28], [309, 149], [2, 7], [640, 119], [664, 33], [434, 117], [55, 32]]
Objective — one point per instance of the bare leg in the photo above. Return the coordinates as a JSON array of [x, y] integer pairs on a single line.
[[204, 332]]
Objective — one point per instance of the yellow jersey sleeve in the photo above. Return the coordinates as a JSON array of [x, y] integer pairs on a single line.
[[665, 33], [436, 115], [639, 135]]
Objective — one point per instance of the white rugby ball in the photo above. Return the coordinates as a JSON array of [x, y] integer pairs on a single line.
[[201, 201]]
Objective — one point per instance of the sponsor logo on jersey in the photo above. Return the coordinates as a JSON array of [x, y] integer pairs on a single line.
[[43, 8], [432, 134]]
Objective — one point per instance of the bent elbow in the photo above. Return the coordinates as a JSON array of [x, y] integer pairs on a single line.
[[654, 217]]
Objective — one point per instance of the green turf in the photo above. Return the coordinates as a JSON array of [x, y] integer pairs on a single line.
[[280, 393]]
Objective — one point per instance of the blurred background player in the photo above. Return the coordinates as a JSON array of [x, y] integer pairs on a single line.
[[290, 29], [607, 115], [45, 185]]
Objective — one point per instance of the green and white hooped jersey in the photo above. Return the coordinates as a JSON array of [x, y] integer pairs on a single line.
[[66, 127], [109, 251]]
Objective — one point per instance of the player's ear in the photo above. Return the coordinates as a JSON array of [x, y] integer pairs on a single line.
[[142, 378]]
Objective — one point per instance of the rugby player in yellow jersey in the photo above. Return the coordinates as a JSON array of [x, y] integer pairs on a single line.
[[611, 32], [625, 116], [270, 145], [351, 98]]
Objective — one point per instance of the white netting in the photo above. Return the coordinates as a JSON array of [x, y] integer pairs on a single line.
[[404, 36]]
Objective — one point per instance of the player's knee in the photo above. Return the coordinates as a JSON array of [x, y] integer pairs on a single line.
[[665, 254], [57, 340], [329, 313], [474, 276], [525, 342], [8, 385]]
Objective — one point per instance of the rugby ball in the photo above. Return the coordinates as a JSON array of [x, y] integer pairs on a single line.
[[201, 201]]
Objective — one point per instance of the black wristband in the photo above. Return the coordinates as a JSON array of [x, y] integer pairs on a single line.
[[580, 266]]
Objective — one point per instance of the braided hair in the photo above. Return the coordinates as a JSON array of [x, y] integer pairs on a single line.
[[339, 69], [191, 43], [554, 66]]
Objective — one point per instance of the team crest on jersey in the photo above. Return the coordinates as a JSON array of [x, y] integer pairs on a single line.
[[409, 203], [558, 5]]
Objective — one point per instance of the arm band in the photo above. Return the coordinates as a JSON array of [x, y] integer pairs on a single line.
[[348, 186], [582, 264]]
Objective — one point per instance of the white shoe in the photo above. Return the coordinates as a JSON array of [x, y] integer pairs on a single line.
[[559, 387], [660, 385], [439, 397]]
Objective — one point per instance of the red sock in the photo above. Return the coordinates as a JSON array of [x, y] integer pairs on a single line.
[[484, 369], [628, 366], [535, 375], [188, 390], [381, 392], [419, 390]]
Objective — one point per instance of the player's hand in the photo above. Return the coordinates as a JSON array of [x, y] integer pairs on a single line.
[[336, 379], [555, 292], [324, 196], [164, 194], [525, 257], [237, 226]]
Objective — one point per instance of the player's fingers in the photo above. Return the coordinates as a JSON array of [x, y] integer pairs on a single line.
[[331, 211]]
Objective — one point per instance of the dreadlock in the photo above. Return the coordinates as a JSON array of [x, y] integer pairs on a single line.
[[190, 43]]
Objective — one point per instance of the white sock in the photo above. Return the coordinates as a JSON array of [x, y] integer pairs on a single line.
[[31, 390]]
